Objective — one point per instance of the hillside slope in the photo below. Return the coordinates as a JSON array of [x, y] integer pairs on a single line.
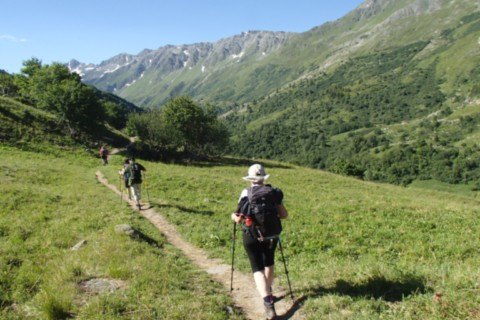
[[248, 66], [216, 71], [394, 114], [48, 103], [23, 124], [51, 202], [354, 249]]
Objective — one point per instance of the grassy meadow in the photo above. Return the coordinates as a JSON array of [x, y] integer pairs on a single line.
[[355, 250], [49, 202]]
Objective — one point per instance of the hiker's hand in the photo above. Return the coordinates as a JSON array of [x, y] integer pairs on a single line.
[[282, 212], [237, 218]]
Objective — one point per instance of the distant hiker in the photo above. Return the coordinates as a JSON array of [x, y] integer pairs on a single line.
[[259, 210], [134, 171], [125, 175], [103, 154]]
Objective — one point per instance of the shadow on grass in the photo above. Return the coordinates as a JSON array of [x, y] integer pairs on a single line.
[[231, 162], [140, 236], [184, 209], [207, 163], [378, 288]]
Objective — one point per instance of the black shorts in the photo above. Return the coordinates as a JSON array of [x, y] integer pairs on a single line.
[[261, 254]]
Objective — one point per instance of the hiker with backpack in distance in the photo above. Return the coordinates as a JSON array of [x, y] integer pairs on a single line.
[[125, 175], [103, 154], [259, 210], [134, 171]]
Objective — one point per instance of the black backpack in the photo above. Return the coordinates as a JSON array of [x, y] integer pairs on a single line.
[[136, 174], [263, 211]]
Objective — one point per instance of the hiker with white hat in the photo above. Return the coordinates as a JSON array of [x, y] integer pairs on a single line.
[[259, 210]]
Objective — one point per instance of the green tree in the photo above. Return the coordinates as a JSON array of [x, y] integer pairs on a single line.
[[55, 89], [7, 85], [180, 128]]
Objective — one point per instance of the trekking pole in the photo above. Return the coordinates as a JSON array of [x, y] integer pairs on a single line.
[[285, 265], [234, 235]]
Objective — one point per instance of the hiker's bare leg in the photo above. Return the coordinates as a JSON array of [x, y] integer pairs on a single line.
[[136, 193], [261, 283], [263, 280], [269, 275]]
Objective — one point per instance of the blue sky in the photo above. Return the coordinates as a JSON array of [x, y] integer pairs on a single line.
[[95, 30]]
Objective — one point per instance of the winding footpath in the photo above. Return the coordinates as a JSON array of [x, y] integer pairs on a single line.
[[244, 294]]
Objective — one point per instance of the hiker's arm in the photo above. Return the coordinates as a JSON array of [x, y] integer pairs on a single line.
[[282, 212], [237, 218]]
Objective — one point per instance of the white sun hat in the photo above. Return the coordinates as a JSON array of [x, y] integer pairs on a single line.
[[256, 173]]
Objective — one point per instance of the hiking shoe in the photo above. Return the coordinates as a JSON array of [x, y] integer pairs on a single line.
[[139, 206], [270, 310]]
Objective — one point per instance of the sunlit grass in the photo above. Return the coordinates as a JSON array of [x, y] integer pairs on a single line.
[[355, 249], [51, 203]]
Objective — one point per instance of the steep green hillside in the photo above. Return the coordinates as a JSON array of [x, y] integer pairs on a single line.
[[50, 202], [392, 115], [47, 103], [355, 250], [19, 121]]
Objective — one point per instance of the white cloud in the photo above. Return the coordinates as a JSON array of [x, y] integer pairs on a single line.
[[11, 38]]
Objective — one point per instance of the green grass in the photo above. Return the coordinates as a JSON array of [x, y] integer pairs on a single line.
[[50, 201], [467, 110], [355, 250], [20, 122], [458, 189], [470, 139]]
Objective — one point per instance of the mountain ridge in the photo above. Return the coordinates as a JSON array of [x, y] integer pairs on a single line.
[[124, 70], [253, 64]]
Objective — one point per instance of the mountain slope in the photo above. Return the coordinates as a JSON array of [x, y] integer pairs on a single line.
[[153, 76], [393, 114], [246, 67]]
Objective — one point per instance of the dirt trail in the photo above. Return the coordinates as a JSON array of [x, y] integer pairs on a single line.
[[117, 150], [244, 294]]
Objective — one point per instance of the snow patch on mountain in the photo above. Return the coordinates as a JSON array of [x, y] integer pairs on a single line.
[[135, 80], [78, 71], [234, 56]]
